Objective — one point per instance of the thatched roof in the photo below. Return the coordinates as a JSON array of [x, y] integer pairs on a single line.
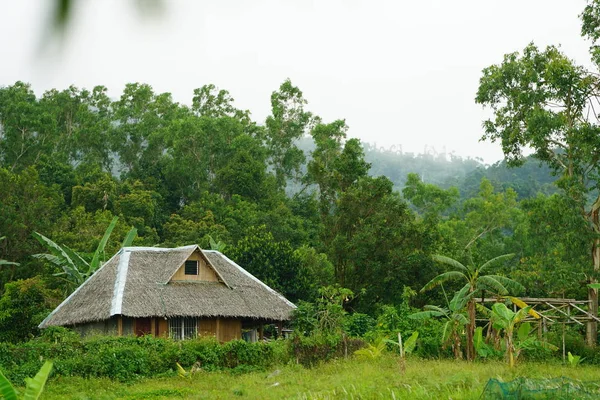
[[136, 283]]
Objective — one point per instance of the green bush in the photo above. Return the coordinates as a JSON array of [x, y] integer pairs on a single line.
[[23, 305], [357, 324], [128, 358], [311, 350]]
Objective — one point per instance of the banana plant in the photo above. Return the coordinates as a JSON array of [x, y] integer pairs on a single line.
[[574, 360], [476, 278], [372, 350], [216, 244], [407, 346], [75, 269], [507, 321], [33, 386], [455, 316]]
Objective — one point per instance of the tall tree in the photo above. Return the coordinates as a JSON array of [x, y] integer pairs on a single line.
[[542, 100], [287, 123]]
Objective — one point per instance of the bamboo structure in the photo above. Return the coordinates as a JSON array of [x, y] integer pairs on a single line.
[[553, 311]]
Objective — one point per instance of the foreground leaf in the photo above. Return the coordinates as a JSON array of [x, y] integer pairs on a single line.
[[7, 391], [35, 385]]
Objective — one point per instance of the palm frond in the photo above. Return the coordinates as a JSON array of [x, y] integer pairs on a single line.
[[446, 331], [4, 262], [451, 262], [35, 385], [513, 286], [494, 260], [460, 318], [7, 391], [421, 315], [67, 263], [431, 307], [100, 249], [488, 282], [441, 278], [51, 258], [461, 298], [130, 237]]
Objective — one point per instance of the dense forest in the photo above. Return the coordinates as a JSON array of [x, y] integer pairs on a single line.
[[292, 199]]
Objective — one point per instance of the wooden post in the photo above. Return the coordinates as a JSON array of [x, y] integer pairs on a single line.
[[119, 325], [218, 330], [563, 343], [280, 328]]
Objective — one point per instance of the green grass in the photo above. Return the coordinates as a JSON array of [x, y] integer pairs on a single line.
[[341, 379]]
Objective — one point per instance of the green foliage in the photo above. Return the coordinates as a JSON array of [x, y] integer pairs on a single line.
[[273, 262], [574, 361], [407, 346], [23, 305], [456, 318], [33, 388], [358, 324], [287, 123], [326, 316], [372, 350], [310, 351], [507, 321], [129, 358], [7, 391], [74, 267], [476, 279], [304, 318], [26, 204]]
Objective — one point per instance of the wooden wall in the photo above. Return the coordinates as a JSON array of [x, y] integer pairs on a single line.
[[205, 273], [207, 327], [229, 329], [163, 327], [224, 329]]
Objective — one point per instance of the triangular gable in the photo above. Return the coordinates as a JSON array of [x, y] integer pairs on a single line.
[[206, 271]]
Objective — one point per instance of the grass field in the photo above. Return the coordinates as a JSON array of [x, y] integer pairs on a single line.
[[342, 379]]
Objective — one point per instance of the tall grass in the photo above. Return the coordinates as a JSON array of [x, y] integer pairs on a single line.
[[338, 379]]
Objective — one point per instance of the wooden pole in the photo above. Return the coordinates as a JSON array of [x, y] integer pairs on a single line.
[[563, 344]]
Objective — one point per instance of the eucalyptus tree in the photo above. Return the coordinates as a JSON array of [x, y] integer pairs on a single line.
[[476, 280], [542, 100], [288, 122]]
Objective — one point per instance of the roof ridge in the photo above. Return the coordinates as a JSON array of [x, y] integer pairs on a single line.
[[144, 248], [65, 301], [119, 288]]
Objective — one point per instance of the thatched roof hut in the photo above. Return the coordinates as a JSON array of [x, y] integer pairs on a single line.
[[160, 283]]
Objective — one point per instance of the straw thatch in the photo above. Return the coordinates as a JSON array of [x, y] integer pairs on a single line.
[[136, 283]]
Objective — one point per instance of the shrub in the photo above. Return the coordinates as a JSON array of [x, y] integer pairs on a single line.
[[311, 350], [357, 324], [23, 306]]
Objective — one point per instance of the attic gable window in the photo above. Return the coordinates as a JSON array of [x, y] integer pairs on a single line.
[[191, 267]]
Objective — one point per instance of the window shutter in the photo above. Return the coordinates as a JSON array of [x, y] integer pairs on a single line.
[[191, 267]]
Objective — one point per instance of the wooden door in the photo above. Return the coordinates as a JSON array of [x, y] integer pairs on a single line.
[[143, 326]]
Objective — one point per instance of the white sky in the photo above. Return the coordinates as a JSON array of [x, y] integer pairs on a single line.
[[399, 72]]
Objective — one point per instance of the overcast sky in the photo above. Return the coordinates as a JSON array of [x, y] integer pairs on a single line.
[[400, 72]]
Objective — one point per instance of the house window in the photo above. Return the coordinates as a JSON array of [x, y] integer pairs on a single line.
[[183, 328], [191, 267]]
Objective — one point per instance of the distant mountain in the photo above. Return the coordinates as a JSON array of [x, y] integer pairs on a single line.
[[447, 170]]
